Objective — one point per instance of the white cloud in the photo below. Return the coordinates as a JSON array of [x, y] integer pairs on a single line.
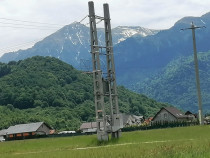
[[156, 14]]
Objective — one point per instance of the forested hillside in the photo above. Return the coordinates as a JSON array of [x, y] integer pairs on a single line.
[[176, 83], [47, 89]]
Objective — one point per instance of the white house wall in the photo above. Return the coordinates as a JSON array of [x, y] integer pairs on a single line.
[[2, 138]]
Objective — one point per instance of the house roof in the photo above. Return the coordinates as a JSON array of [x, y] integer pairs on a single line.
[[3, 132], [88, 125], [174, 111], [188, 113], [127, 118], [23, 128], [148, 120]]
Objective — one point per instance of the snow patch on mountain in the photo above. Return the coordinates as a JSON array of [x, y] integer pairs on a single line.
[[129, 31], [74, 43], [79, 35], [61, 50]]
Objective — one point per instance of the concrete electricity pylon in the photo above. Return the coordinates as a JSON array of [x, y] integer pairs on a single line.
[[104, 87], [200, 111]]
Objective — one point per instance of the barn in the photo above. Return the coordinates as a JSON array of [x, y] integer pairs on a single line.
[[22, 131]]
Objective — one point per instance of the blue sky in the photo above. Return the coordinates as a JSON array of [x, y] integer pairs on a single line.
[[154, 14]]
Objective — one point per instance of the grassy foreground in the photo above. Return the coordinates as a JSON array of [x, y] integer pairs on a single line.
[[184, 142]]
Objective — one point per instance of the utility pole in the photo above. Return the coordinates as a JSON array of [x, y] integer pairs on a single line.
[[97, 78], [200, 111], [111, 76], [104, 87]]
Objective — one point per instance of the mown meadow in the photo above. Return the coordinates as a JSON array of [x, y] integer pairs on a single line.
[[184, 142]]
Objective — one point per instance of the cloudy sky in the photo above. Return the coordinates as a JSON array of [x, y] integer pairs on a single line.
[[154, 14]]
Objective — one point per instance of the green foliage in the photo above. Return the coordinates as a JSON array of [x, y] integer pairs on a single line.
[[47, 89], [4, 69]]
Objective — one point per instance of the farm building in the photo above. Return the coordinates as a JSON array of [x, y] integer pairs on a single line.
[[27, 130], [2, 135], [169, 114], [88, 127]]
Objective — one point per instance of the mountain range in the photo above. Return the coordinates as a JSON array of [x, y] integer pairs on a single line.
[[142, 56], [71, 43], [157, 65]]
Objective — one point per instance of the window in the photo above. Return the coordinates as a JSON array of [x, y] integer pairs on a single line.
[[165, 116]]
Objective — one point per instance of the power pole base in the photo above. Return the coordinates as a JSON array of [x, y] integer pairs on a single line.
[[103, 136], [116, 134]]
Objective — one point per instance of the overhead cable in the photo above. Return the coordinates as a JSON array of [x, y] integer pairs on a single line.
[[31, 22], [28, 25]]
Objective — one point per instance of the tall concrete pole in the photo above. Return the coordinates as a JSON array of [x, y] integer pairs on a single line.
[[101, 120], [200, 111], [116, 117]]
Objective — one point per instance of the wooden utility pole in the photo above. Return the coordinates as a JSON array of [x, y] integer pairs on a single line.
[[200, 110]]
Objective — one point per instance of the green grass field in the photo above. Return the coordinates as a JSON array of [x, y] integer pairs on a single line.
[[184, 142]]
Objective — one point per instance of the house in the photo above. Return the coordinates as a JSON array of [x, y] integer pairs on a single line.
[[27, 130], [88, 127], [191, 116], [2, 135], [169, 114], [128, 120], [91, 127], [132, 120], [207, 120], [148, 121]]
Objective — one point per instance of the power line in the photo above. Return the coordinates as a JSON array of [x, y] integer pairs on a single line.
[[28, 25], [15, 23], [30, 28], [30, 21], [83, 19], [16, 47], [21, 44]]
